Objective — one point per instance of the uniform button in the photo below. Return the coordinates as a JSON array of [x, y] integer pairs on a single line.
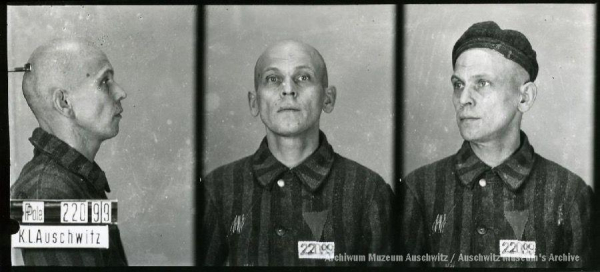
[[280, 231], [482, 182], [280, 183], [481, 230]]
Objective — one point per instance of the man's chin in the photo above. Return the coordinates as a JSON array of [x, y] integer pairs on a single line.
[[292, 131], [111, 134], [287, 133], [469, 135]]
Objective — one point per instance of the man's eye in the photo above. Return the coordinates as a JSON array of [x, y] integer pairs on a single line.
[[482, 83], [458, 85], [272, 79], [303, 78], [103, 85]]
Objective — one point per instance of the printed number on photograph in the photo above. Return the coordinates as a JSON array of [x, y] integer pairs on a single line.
[[316, 250]]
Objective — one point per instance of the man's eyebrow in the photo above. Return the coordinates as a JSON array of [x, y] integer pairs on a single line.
[[454, 78], [275, 69], [105, 71], [305, 67], [270, 69], [481, 75]]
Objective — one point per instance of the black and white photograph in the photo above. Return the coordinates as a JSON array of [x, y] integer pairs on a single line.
[[407, 136], [498, 125], [298, 135], [102, 138]]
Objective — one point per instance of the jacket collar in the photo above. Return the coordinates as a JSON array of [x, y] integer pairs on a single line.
[[311, 172], [69, 158], [513, 171]]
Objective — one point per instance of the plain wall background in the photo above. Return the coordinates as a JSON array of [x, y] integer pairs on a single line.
[[560, 124], [357, 43], [150, 164]]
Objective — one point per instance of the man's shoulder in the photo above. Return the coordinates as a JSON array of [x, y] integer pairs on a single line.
[[431, 169], [352, 173], [559, 173], [428, 176], [44, 178], [226, 170], [356, 169]]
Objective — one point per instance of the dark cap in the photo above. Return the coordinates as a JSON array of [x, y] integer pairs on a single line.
[[510, 43]]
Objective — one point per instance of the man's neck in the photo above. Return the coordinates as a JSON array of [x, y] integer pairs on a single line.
[[85, 145], [494, 153], [291, 151]]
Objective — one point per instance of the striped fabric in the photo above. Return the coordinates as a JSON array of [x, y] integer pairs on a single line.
[[256, 210], [57, 171], [462, 208]]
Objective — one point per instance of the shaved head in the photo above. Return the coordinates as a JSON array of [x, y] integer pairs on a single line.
[[290, 50], [291, 90], [57, 64], [73, 94]]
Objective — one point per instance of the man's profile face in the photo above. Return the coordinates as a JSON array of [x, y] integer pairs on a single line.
[[486, 94], [289, 91], [96, 100]]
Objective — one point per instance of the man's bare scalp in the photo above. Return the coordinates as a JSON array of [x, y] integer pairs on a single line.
[[289, 50], [62, 64]]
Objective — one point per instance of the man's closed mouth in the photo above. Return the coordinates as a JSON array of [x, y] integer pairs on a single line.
[[282, 109]]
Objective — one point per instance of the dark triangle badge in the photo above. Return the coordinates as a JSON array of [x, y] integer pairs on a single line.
[[517, 220], [316, 222]]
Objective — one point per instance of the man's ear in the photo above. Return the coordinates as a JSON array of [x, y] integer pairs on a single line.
[[61, 103], [330, 95], [253, 103], [528, 93]]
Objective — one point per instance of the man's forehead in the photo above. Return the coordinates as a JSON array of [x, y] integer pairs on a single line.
[[289, 54], [97, 66], [90, 67], [483, 61], [479, 56]]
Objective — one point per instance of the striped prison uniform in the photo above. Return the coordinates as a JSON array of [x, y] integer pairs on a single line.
[[256, 210], [462, 208], [58, 171]]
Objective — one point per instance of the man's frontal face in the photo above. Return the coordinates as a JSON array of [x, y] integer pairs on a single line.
[[289, 92], [97, 99], [486, 95]]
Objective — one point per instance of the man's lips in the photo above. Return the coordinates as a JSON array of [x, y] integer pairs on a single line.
[[282, 109], [468, 118], [464, 117]]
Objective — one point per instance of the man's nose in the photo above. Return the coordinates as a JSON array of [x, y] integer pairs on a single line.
[[288, 88], [466, 96], [119, 92]]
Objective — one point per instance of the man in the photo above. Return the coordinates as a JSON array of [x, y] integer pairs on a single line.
[[295, 201], [495, 203], [77, 103]]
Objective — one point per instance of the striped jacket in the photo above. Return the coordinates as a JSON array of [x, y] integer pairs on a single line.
[[473, 214], [57, 171], [256, 210]]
